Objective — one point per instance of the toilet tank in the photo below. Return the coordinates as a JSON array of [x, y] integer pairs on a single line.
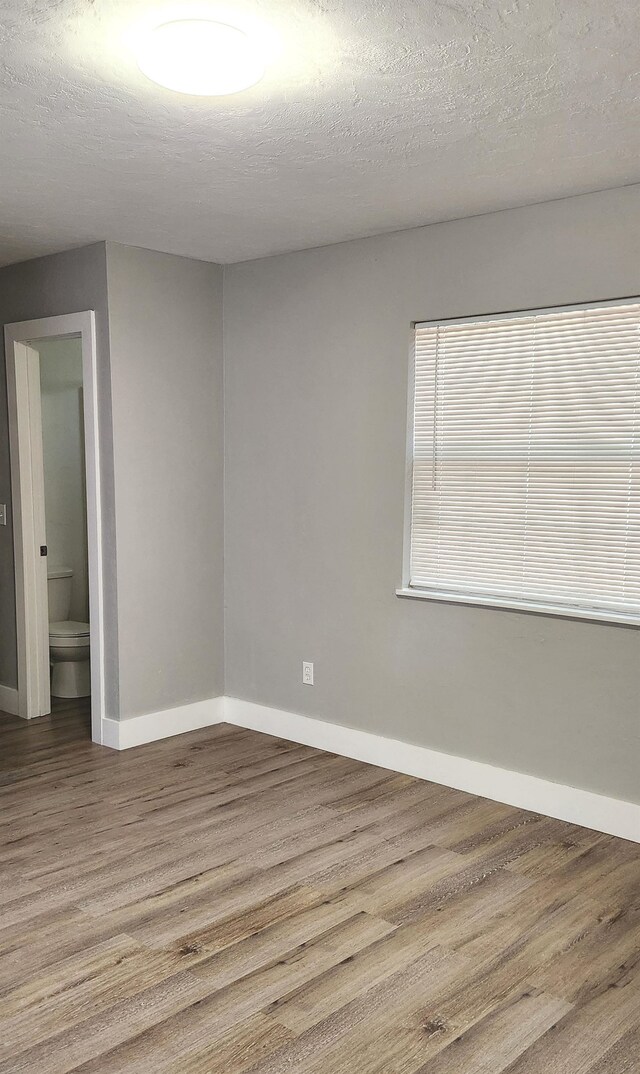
[[59, 581]]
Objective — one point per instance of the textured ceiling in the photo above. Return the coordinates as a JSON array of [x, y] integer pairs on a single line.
[[375, 116]]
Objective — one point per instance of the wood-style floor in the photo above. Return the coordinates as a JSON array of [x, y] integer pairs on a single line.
[[226, 902]]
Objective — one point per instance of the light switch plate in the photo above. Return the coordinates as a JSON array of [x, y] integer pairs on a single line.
[[3, 514]]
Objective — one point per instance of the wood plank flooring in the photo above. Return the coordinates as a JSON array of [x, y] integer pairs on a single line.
[[226, 902]]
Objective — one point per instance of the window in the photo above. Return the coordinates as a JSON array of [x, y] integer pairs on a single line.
[[525, 485]]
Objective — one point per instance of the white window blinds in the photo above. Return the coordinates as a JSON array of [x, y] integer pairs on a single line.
[[526, 458]]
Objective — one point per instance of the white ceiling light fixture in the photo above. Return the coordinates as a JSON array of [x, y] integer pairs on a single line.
[[200, 57]]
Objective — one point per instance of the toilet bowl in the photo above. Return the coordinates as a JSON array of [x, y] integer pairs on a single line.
[[69, 640], [69, 651]]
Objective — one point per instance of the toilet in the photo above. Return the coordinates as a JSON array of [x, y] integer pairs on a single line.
[[68, 640]]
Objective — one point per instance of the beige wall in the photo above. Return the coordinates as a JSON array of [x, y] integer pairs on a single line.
[[316, 348]]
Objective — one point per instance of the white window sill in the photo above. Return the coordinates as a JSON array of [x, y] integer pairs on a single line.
[[598, 615]]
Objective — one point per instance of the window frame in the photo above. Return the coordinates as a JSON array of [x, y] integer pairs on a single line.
[[513, 604]]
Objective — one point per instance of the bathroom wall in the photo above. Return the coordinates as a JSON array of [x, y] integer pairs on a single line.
[[64, 467]]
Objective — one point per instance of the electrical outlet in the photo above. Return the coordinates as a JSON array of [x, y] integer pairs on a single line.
[[3, 514], [307, 673]]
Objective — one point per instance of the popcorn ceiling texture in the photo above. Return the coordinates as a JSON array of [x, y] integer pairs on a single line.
[[376, 116]]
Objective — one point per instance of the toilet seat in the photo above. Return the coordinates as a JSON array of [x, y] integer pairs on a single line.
[[69, 630]]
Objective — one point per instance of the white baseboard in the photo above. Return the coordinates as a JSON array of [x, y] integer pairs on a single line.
[[123, 734], [609, 815], [8, 699]]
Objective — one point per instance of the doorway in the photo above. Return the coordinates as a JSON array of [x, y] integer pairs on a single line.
[[55, 475]]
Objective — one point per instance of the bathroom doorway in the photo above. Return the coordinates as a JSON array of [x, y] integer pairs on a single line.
[[51, 388]]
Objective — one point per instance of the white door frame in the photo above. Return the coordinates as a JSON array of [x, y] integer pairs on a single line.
[[27, 496]]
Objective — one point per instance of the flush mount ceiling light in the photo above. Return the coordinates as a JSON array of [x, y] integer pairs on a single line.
[[200, 57]]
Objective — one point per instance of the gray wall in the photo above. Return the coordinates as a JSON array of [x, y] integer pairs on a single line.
[[316, 375], [159, 324], [45, 287], [316, 350], [165, 317]]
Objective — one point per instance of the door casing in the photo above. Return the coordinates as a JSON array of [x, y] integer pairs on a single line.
[[28, 512]]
